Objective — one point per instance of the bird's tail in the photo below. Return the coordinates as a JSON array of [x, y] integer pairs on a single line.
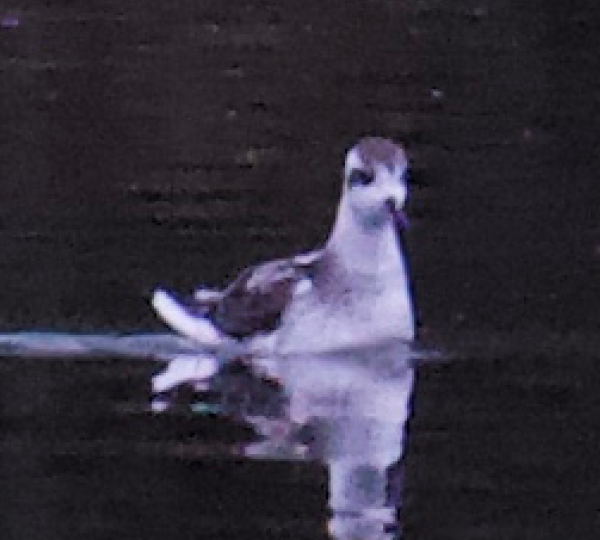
[[180, 319]]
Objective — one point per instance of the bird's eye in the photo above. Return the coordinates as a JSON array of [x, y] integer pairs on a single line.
[[358, 177]]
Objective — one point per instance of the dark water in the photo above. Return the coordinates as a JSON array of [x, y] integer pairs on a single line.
[[177, 142]]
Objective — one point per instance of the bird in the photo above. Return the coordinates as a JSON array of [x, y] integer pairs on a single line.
[[353, 291]]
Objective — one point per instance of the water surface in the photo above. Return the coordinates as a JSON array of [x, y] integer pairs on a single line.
[[177, 143]]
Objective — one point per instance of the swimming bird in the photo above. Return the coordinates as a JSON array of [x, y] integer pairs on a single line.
[[352, 292]]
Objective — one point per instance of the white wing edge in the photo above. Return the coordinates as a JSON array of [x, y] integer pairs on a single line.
[[207, 295], [308, 258]]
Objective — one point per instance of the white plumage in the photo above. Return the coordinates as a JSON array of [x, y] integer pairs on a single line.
[[355, 291]]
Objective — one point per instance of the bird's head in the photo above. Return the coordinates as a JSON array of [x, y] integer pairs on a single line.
[[375, 183]]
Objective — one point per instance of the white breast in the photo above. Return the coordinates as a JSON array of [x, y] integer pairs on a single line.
[[371, 312]]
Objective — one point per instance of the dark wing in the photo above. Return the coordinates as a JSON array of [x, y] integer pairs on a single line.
[[256, 300]]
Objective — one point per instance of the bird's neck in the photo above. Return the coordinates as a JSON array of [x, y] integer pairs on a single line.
[[371, 251]]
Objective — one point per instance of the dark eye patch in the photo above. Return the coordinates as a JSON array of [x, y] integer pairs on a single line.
[[359, 177]]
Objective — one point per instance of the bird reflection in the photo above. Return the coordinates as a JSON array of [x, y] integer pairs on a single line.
[[346, 409]]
